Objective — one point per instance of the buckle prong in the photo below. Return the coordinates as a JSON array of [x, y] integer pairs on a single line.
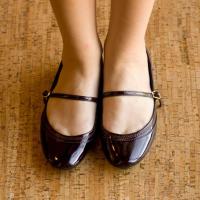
[[156, 95], [46, 94]]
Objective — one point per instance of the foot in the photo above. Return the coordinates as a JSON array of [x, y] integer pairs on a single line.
[[78, 77], [126, 70]]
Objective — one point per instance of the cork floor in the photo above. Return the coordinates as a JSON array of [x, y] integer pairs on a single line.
[[30, 50]]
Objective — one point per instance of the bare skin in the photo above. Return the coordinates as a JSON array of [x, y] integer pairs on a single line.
[[125, 66], [81, 64]]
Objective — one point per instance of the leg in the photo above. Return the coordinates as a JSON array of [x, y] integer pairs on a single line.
[[126, 66], [80, 74]]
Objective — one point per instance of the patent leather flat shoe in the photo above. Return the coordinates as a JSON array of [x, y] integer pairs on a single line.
[[60, 150], [125, 150]]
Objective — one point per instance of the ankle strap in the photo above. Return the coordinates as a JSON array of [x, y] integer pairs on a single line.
[[154, 94], [47, 94]]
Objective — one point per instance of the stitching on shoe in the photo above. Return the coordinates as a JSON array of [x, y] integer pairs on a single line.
[[132, 136]]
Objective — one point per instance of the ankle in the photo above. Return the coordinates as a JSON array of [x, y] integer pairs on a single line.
[[119, 53], [82, 49], [120, 43], [131, 57], [82, 59]]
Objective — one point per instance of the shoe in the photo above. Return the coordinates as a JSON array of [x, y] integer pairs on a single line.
[[60, 150], [125, 150]]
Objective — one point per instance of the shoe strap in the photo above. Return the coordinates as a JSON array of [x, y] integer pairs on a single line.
[[47, 94], [155, 94]]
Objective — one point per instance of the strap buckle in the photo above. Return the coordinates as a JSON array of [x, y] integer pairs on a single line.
[[46, 95], [157, 96]]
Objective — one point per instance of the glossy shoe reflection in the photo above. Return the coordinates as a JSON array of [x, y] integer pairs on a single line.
[[63, 151], [125, 150], [60, 150]]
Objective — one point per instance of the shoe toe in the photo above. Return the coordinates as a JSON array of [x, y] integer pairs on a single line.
[[126, 153], [63, 155], [60, 150], [127, 150]]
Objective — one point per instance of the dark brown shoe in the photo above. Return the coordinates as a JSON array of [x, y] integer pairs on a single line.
[[128, 149], [60, 150]]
